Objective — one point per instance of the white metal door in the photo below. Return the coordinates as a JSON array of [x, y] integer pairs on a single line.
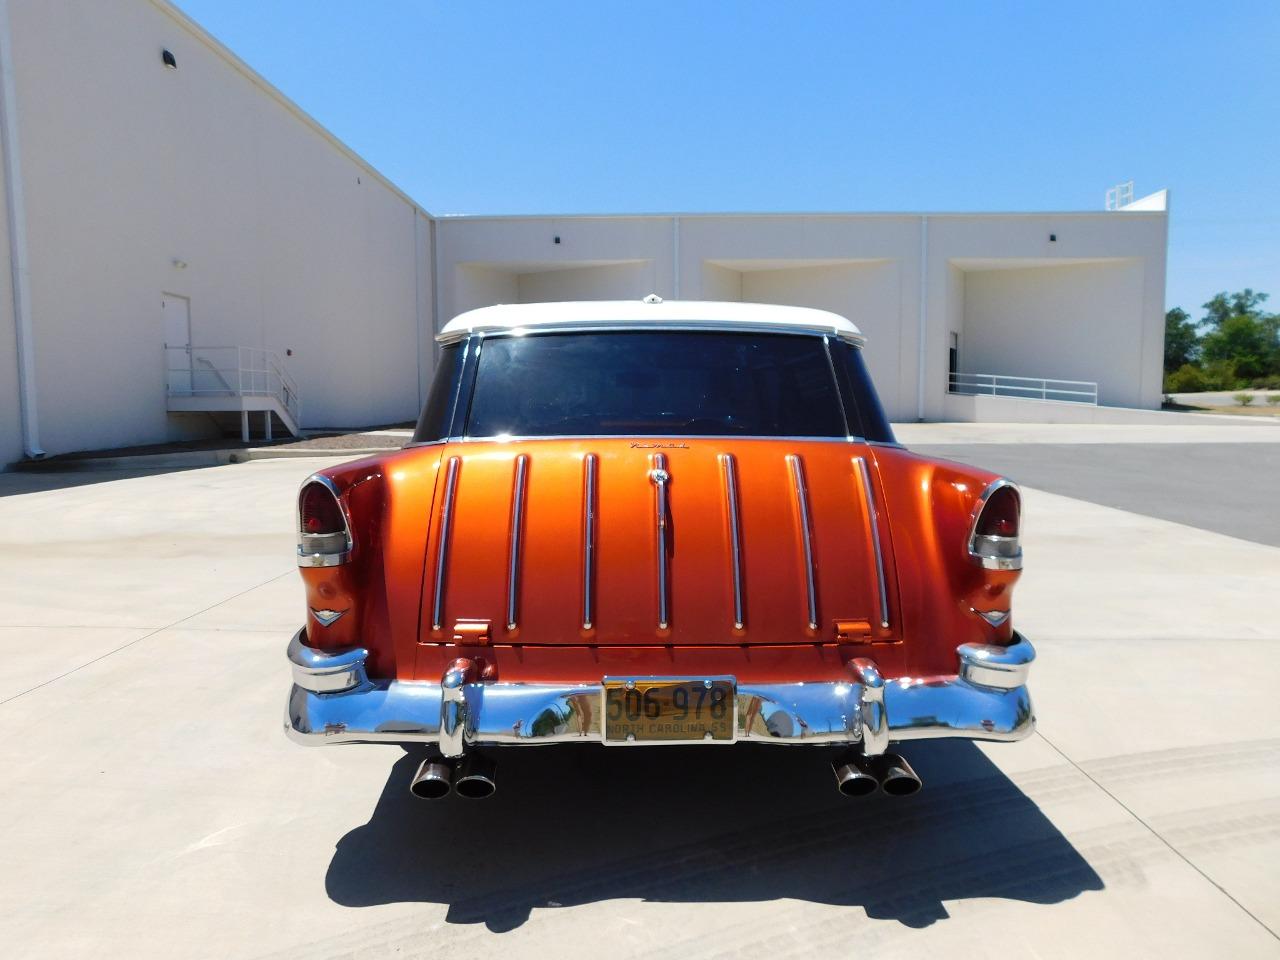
[[177, 342]]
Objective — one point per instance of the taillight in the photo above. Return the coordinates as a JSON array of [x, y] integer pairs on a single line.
[[324, 540], [994, 540]]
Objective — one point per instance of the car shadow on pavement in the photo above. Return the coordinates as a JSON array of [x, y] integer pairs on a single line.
[[578, 824]]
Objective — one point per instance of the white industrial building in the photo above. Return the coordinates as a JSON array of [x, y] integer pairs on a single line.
[[159, 192]]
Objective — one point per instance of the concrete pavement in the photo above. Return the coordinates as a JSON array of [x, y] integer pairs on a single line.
[[153, 807]]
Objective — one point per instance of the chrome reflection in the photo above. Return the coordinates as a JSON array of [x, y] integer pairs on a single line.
[[333, 701], [454, 713], [326, 671]]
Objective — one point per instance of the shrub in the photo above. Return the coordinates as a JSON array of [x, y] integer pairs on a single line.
[[1186, 379], [1244, 399], [1221, 375], [1273, 399]]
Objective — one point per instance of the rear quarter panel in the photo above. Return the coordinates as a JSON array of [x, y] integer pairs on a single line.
[[388, 501], [931, 505]]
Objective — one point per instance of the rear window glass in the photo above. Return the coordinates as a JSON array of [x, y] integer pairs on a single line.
[[862, 405], [655, 383], [435, 421]]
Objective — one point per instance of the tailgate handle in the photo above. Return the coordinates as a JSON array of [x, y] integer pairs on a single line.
[[471, 632], [853, 629]]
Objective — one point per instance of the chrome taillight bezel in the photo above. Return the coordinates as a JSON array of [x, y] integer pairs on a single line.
[[993, 552], [308, 555]]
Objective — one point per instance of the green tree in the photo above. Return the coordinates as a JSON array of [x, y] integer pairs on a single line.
[[1181, 341], [1224, 306], [1247, 342]]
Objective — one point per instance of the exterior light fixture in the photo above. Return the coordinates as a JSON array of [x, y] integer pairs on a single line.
[[1053, 238], [169, 60], [555, 240], [179, 263]]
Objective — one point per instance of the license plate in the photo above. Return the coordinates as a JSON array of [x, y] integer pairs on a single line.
[[670, 710]]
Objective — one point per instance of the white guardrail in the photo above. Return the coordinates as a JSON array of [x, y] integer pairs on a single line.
[[1028, 388], [229, 372]]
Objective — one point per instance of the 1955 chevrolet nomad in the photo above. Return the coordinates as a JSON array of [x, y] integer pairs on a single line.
[[656, 523]]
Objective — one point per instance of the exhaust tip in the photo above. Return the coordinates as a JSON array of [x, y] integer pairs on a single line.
[[477, 778], [896, 777], [853, 779], [433, 780]]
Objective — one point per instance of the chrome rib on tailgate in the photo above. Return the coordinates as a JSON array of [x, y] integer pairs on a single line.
[[632, 541]]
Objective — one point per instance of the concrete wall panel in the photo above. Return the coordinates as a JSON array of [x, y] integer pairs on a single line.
[[1070, 322], [290, 242], [867, 293], [611, 281], [10, 410]]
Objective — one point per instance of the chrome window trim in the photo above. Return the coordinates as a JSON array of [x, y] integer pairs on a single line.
[[994, 563], [323, 559], [680, 326], [642, 438]]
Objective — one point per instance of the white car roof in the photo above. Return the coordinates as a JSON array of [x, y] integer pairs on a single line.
[[650, 312]]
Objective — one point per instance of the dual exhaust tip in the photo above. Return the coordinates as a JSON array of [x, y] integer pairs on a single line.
[[473, 777], [860, 776]]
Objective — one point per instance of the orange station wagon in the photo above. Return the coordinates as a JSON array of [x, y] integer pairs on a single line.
[[653, 523]]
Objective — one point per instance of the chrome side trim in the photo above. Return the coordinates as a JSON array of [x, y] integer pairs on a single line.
[[994, 563], [326, 671], [806, 535], [613, 326], [442, 548], [588, 538], [661, 478], [729, 463], [517, 526], [306, 559], [987, 700], [641, 438], [873, 518]]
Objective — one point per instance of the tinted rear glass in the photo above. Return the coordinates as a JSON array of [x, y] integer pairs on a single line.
[[435, 421], [655, 383], [862, 405]]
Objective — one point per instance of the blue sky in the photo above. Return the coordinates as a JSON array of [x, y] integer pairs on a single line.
[[708, 106]]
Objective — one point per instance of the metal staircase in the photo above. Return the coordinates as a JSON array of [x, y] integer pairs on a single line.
[[232, 380]]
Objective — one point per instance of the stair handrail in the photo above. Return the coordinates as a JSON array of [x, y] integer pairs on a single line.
[[1025, 388], [255, 372]]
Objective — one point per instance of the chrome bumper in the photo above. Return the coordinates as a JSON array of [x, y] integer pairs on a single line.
[[334, 701]]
